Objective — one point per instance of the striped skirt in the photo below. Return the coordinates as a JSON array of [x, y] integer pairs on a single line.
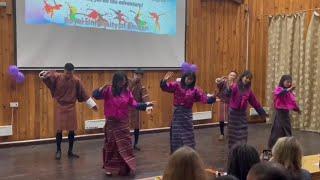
[[181, 131], [118, 157], [281, 127], [223, 111], [237, 127]]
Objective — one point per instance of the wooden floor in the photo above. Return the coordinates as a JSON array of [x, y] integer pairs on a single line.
[[37, 162]]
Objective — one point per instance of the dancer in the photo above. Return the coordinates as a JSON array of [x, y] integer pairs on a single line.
[[138, 20], [240, 94], [120, 16], [51, 9], [185, 94], [141, 95], [156, 17], [66, 89], [223, 106], [284, 101], [98, 18], [118, 155]]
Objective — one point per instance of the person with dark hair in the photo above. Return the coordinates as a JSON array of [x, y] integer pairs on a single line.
[[69, 67], [241, 95], [140, 94], [223, 106], [268, 171], [66, 89], [241, 158], [118, 157], [185, 95], [284, 101]]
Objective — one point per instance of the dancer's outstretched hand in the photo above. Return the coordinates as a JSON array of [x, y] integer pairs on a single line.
[[150, 103], [102, 87], [43, 74], [168, 75], [293, 87], [149, 110], [95, 108], [221, 79]]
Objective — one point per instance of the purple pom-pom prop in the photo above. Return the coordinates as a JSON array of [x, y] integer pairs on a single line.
[[189, 68], [193, 68], [20, 77], [13, 70], [184, 65]]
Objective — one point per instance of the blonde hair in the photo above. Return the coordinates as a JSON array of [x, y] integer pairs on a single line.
[[186, 164], [288, 152]]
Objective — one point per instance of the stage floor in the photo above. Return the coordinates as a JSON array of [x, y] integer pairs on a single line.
[[38, 163]]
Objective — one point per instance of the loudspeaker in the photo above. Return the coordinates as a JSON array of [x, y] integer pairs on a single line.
[[3, 4]]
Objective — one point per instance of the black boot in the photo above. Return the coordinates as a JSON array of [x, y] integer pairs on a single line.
[[58, 142], [71, 141], [221, 125], [136, 134]]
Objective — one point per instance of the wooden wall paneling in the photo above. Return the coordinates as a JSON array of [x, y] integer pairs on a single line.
[[216, 42]]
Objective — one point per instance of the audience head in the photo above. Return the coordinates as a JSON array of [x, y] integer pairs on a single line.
[[241, 159], [186, 164], [268, 171], [287, 151]]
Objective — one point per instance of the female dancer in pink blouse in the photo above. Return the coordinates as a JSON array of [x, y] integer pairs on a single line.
[[118, 155], [185, 94], [241, 95], [284, 101]]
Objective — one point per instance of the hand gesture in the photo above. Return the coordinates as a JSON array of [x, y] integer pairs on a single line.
[[43, 74], [168, 76], [211, 95], [293, 87], [221, 79], [95, 108], [149, 110], [102, 87]]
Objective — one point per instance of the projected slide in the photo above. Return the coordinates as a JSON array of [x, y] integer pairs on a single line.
[[147, 16], [100, 34]]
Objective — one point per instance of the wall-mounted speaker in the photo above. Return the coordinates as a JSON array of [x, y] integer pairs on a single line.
[[3, 4]]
